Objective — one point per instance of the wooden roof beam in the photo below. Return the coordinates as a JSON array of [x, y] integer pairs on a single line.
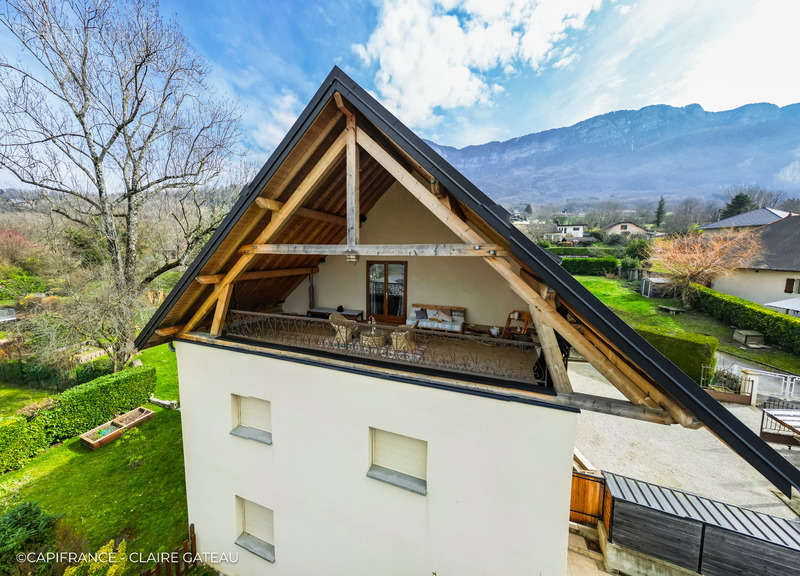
[[479, 250], [276, 205], [276, 224], [257, 275]]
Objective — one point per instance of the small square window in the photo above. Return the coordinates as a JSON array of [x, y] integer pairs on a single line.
[[256, 530], [399, 460], [252, 418]]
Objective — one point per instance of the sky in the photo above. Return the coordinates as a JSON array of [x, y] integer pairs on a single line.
[[464, 72]]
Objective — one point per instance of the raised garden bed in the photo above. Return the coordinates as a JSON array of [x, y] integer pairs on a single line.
[[113, 429]]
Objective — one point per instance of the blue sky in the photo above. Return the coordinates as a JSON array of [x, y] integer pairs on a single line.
[[469, 71]]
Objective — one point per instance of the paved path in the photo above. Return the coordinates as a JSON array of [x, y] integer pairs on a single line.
[[691, 460]]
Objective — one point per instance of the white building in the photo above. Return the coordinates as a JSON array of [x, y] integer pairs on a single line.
[[318, 443]]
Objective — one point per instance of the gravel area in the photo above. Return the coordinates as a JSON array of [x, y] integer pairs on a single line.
[[691, 460]]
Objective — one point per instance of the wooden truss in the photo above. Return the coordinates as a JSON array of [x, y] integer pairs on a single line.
[[645, 399]]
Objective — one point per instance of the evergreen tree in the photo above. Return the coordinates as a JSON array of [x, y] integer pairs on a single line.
[[660, 212], [739, 204]]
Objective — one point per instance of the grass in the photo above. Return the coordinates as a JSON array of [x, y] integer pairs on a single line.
[[100, 495], [163, 360], [12, 398], [636, 309]]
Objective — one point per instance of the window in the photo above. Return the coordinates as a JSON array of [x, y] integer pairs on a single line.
[[252, 418], [399, 460], [386, 291], [256, 531], [791, 284], [576, 229], [623, 226]]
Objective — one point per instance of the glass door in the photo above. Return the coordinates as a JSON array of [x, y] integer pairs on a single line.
[[386, 291]]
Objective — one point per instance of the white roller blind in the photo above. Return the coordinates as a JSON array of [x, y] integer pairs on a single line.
[[258, 521], [254, 413], [400, 453]]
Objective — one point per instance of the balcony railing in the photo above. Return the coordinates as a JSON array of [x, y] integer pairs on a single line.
[[473, 356]]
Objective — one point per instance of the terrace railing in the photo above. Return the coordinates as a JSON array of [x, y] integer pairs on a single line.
[[516, 361]]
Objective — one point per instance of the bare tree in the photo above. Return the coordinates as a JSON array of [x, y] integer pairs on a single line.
[[699, 258], [761, 197], [107, 110]]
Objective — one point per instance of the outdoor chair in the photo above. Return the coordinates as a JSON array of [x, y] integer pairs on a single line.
[[344, 329], [403, 338]]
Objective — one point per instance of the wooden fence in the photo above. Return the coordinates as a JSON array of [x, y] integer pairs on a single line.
[[180, 561], [587, 500]]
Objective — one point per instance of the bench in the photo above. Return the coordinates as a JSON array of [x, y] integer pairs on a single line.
[[438, 317], [671, 310]]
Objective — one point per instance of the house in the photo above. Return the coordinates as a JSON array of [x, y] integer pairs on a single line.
[[747, 220], [624, 228], [775, 275], [325, 433], [571, 230]]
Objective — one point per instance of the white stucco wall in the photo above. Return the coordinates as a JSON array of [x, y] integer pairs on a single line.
[[759, 286], [498, 473], [399, 218]]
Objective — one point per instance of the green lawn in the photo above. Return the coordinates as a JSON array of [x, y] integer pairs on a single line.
[[636, 309], [12, 398], [163, 360], [102, 497]]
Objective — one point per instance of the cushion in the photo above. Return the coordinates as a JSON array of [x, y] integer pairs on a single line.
[[444, 316], [458, 315], [421, 314], [433, 314]]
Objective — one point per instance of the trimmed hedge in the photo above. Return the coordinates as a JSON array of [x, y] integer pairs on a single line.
[[597, 251], [29, 372], [689, 352], [88, 405], [74, 412], [20, 440], [591, 266], [779, 329]]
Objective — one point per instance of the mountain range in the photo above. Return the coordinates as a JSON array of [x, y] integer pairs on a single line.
[[631, 155]]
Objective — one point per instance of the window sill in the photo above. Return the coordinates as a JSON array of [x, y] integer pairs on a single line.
[[404, 481], [256, 546], [253, 434]]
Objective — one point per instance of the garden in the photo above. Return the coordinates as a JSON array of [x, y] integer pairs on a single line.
[[72, 497]]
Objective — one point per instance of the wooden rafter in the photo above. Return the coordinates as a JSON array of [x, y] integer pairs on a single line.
[[276, 205], [377, 249], [544, 310], [221, 310], [257, 275], [276, 224]]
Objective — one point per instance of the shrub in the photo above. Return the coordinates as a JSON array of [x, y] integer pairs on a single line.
[[779, 329], [689, 352], [32, 372], [16, 282], [20, 440], [569, 250], [88, 405], [591, 266], [630, 263], [24, 528], [638, 248], [92, 369]]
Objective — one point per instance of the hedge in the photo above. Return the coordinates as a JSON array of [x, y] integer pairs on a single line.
[[597, 251], [591, 266], [88, 405], [29, 372], [20, 440], [779, 329], [73, 412], [689, 352]]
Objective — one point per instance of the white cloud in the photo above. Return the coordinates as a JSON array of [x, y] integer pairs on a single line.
[[435, 55]]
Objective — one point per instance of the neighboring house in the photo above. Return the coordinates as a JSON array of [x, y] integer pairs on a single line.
[[752, 220], [319, 443], [571, 230], [775, 275], [625, 228]]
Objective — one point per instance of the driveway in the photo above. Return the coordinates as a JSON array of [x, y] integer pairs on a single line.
[[691, 460]]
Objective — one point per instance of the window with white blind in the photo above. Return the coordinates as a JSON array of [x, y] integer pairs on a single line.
[[256, 529], [399, 460], [252, 418]]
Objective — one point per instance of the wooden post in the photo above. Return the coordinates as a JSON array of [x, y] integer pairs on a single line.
[[221, 311], [353, 208]]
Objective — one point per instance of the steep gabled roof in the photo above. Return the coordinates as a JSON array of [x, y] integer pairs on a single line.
[[757, 217], [776, 238], [493, 221]]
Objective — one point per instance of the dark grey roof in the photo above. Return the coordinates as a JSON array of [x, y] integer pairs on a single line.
[[780, 240], [672, 380], [757, 217], [771, 529]]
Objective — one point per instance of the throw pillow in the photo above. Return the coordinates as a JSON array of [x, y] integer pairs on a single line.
[[421, 314]]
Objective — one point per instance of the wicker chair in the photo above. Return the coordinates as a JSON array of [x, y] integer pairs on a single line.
[[344, 329], [403, 338]]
